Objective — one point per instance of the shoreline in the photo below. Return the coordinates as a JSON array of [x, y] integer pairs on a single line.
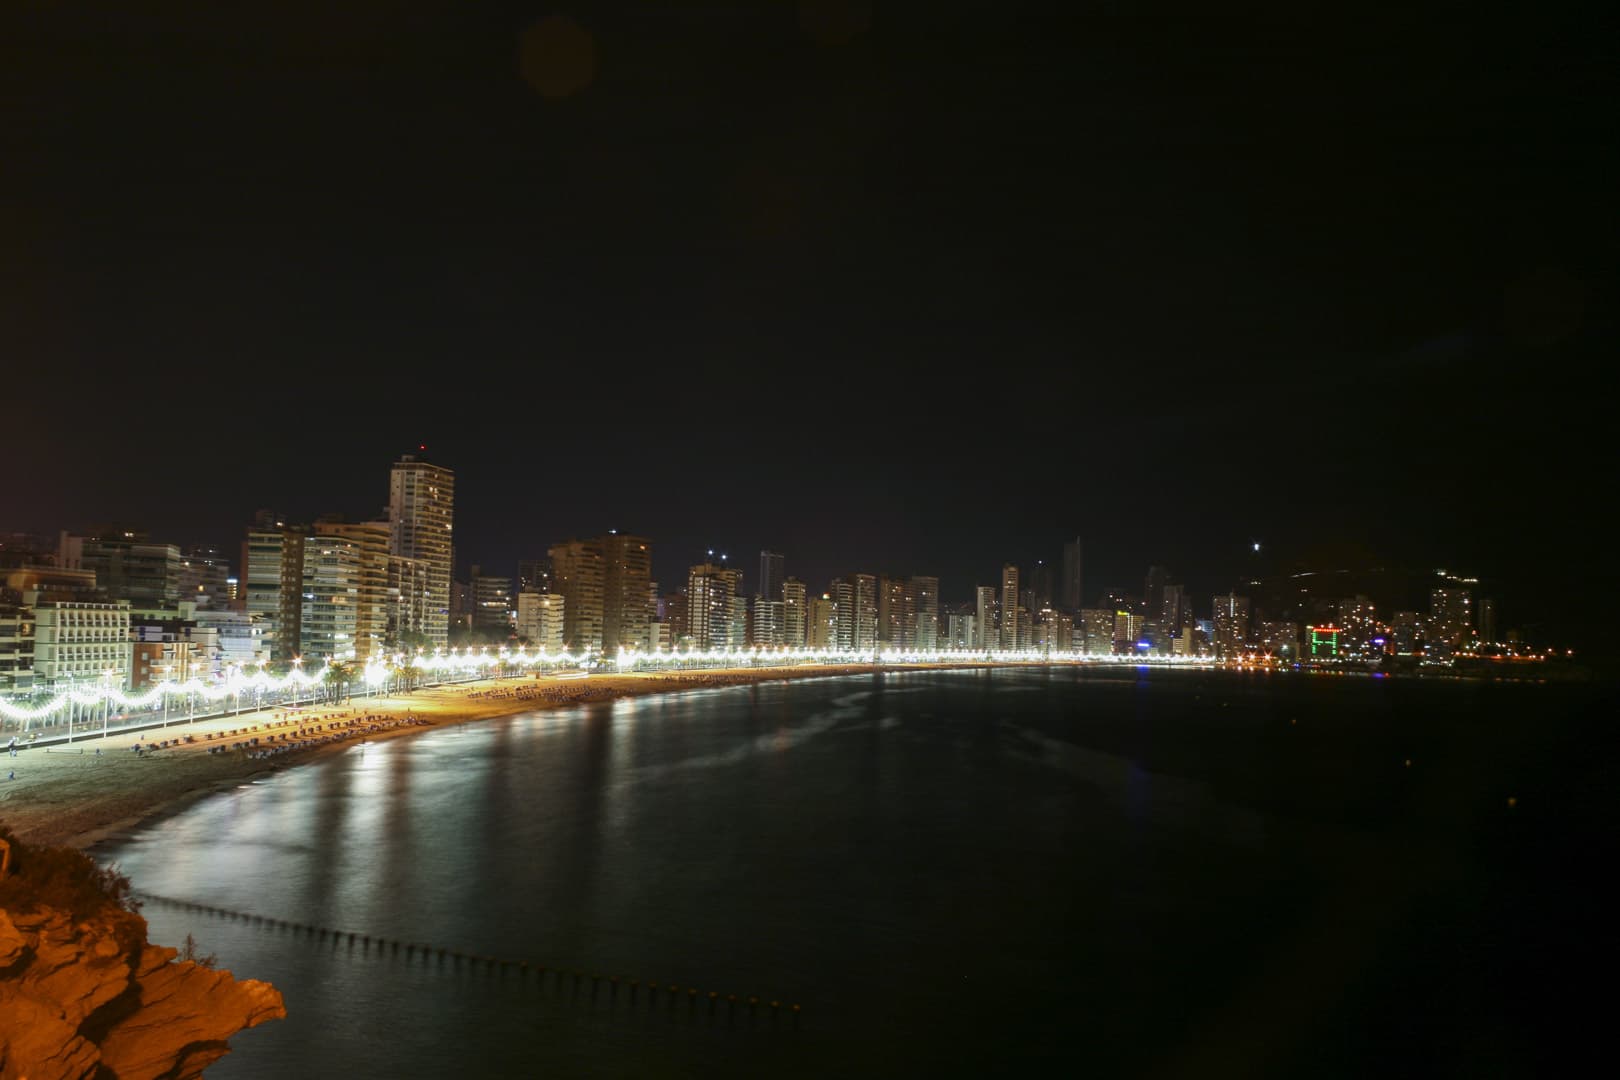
[[100, 791], [70, 797]]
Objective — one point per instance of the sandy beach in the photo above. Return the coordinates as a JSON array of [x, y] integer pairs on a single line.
[[77, 796]]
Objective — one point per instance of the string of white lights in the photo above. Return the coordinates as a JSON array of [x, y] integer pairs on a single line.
[[466, 662]]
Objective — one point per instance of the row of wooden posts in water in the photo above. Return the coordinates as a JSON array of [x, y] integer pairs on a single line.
[[672, 991]]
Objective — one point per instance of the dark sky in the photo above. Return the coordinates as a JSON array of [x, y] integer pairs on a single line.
[[901, 291]]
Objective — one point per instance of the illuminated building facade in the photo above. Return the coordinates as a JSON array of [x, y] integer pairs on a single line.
[[1231, 618], [985, 619], [924, 592], [794, 613], [1097, 631], [540, 620], [626, 586], [577, 575], [1451, 615], [1009, 606], [421, 517]]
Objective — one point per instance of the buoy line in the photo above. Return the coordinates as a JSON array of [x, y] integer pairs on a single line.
[[574, 977]]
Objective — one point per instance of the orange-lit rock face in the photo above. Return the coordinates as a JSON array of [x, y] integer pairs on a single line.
[[74, 1001]]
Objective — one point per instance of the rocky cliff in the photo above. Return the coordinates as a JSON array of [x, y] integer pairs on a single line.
[[82, 994]]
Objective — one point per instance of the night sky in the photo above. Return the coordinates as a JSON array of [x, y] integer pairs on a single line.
[[912, 291]]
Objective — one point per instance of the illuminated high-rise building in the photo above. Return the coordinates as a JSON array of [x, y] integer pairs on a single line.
[[925, 602], [1174, 609], [794, 613], [1009, 606], [540, 620], [421, 516], [896, 614], [407, 603], [368, 587], [1054, 630], [1357, 622], [626, 585], [1127, 624], [855, 605], [1097, 631], [1231, 623], [985, 620], [1280, 639], [821, 622], [767, 628], [1451, 615], [205, 578], [578, 575], [713, 606], [770, 575], [272, 572], [490, 603], [128, 565], [330, 598]]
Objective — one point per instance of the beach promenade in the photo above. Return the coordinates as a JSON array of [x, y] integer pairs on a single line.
[[100, 787]]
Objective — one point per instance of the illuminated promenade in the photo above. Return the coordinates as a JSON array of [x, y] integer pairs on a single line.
[[95, 708]]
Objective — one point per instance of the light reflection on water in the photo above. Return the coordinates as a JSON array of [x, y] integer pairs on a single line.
[[951, 870]]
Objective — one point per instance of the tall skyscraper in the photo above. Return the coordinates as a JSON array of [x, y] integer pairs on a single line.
[[1451, 614], [578, 575], [1231, 623], [367, 589], [1009, 606], [985, 623], [793, 613], [768, 627], [855, 606], [1071, 575], [770, 575], [960, 632], [329, 598], [1096, 631], [626, 585], [925, 602], [897, 614], [270, 546], [716, 614], [421, 516], [821, 622], [1357, 620], [491, 607]]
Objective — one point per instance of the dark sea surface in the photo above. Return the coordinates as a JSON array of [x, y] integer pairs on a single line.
[[1030, 872]]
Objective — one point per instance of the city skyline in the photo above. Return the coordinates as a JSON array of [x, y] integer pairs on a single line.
[[665, 565], [406, 584]]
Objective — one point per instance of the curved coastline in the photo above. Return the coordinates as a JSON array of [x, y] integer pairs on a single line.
[[101, 790]]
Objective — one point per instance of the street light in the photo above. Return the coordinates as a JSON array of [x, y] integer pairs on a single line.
[[106, 700]]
